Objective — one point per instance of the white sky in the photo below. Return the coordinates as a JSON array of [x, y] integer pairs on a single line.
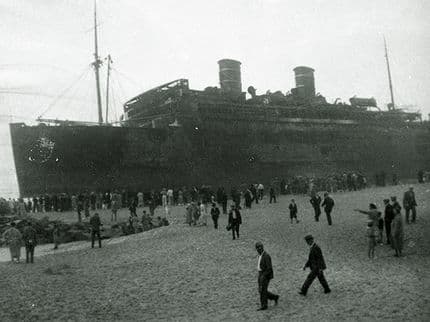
[[46, 44]]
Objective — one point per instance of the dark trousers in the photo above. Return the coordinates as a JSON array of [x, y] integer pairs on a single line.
[[29, 253], [317, 213], [414, 213], [224, 207], [388, 230], [328, 214], [215, 220], [263, 285], [272, 198], [93, 237], [235, 228], [310, 279]]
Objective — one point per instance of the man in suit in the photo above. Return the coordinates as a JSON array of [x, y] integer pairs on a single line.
[[95, 224], [316, 202], [265, 274], [409, 203], [317, 265], [328, 205], [388, 218], [234, 220]]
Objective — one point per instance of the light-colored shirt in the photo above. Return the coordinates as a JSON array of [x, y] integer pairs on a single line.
[[234, 214], [259, 261]]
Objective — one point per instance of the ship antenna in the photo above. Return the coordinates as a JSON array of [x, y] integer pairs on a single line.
[[392, 107], [97, 63], [109, 60]]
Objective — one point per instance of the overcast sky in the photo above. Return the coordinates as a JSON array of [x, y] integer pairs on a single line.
[[46, 45]]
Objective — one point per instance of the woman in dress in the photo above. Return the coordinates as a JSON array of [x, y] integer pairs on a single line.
[[13, 239], [397, 232]]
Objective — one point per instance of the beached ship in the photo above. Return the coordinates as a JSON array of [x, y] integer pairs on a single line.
[[172, 136]]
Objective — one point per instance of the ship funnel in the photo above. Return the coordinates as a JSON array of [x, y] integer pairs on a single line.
[[229, 76], [305, 82]]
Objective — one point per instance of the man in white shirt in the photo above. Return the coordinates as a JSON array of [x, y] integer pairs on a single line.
[[265, 274]]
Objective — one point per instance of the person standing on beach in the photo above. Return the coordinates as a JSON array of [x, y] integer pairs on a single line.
[[272, 195], [395, 204], [293, 211], [115, 205], [409, 203], [388, 218], [95, 229], [328, 205], [316, 204], [372, 227], [397, 233], [29, 237], [317, 265], [234, 220], [13, 239], [265, 274], [56, 235], [215, 215]]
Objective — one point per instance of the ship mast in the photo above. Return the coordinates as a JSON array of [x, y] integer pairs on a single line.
[[109, 60], [97, 63], [392, 106]]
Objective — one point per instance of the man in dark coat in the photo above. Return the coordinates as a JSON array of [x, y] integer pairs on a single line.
[[265, 274], [316, 204], [234, 220], [95, 229], [317, 265], [29, 237], [388, 218], [215, 215], [409, 203], [328, 205], [272, 194]]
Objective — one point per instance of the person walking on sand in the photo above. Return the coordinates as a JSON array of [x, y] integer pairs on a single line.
[[328, 205], [29, 237], [95, 224], [397, 233], [265, 274], [234, 221], [317, 265], [293, 211], [13, 239]]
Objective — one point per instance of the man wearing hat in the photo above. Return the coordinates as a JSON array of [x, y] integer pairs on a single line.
[[317, 265], [409, 203], [265, 274], [234, 220]]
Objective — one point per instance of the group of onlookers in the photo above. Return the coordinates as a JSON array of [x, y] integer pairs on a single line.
[[392, 222]]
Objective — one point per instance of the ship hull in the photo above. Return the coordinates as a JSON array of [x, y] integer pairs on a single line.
[[56, 159]]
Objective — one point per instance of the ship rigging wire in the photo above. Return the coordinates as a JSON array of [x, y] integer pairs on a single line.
[[62, 94]]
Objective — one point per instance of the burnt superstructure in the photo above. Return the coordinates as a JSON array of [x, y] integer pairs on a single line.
[[173, 135]]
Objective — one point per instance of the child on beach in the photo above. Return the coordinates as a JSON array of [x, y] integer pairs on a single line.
[[293, 210], [372, 240]]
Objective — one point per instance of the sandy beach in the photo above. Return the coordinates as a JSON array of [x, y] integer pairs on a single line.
[[181, 273]]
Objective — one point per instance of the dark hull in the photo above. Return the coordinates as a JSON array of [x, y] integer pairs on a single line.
[[56, 159]]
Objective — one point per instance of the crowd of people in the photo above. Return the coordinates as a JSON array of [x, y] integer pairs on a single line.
[[200, 203]]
